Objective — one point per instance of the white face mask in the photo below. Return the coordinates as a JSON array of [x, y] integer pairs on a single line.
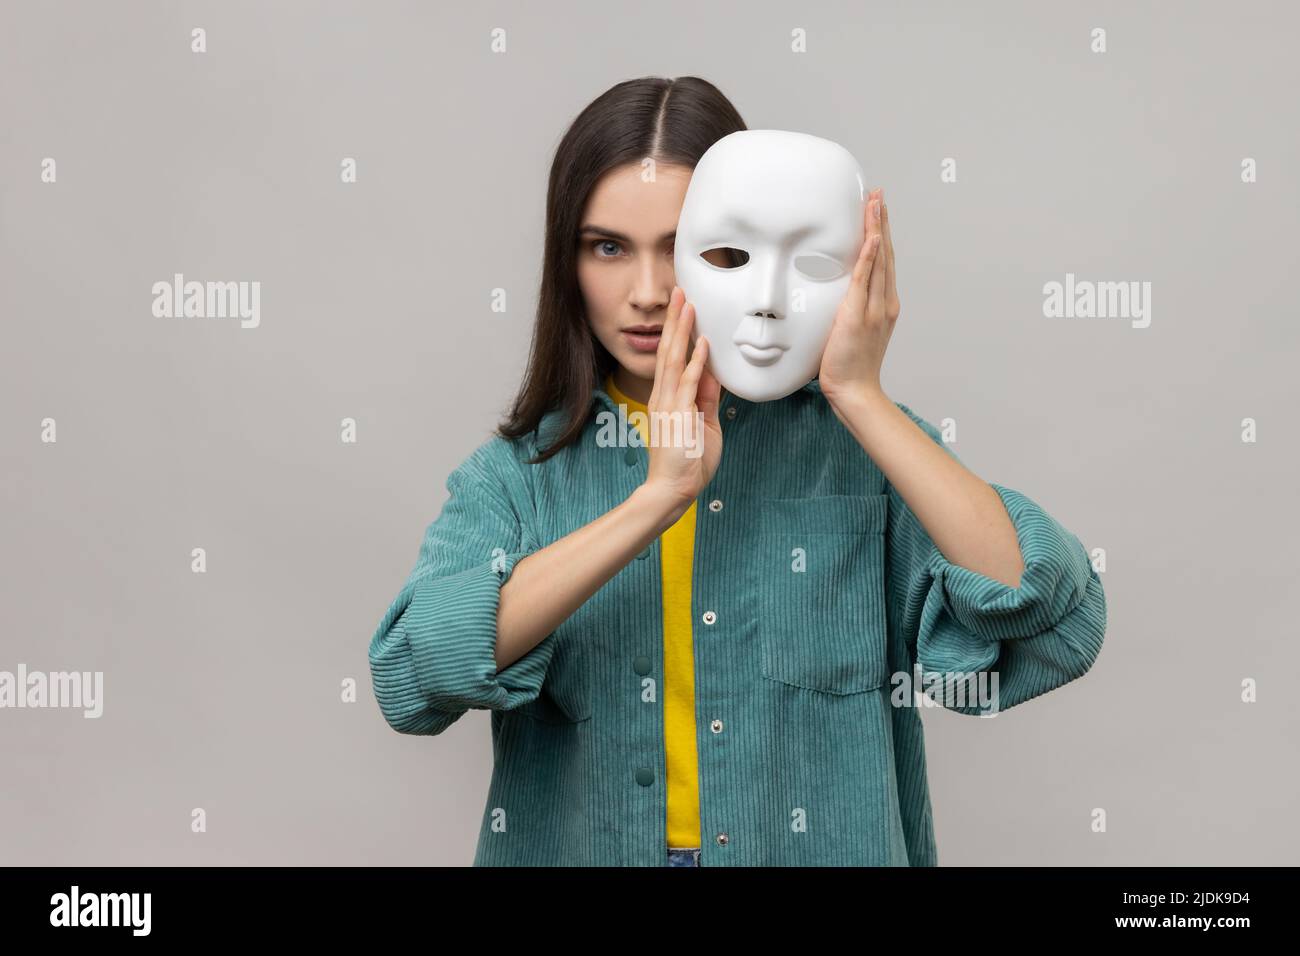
[[792, 204]]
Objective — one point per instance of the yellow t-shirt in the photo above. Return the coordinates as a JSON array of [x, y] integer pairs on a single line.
[[677, 550]]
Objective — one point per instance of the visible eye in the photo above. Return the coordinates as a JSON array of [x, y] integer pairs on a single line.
[[818, 266], [725, 257], [596, 247]]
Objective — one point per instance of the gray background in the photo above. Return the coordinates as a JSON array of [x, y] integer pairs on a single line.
[[222, 690]]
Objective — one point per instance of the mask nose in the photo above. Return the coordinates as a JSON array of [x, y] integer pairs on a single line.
[[769, 292]]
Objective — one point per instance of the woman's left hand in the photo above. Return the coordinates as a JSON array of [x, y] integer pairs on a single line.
[[850, 366]]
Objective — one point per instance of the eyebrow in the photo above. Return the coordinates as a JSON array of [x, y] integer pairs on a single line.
[[615, 234]]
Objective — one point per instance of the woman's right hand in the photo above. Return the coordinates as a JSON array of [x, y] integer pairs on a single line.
[[687, 455]]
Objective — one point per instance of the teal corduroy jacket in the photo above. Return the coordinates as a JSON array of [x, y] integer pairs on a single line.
[[821, 607]]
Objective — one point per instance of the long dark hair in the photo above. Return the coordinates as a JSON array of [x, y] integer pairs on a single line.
[[673, 122]]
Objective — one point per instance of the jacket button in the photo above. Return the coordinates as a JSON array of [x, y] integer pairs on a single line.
[[641, 665], [731, 411], [629, 456], [715, 505], [645, 776], [723, 839], [716, 726], [709, 617]]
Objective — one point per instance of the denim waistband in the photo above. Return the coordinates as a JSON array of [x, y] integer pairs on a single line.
[[683, 856]]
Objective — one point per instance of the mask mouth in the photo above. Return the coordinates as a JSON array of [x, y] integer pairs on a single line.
[[760, 355]]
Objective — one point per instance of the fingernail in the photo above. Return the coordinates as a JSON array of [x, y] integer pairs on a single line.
[[875, 210]]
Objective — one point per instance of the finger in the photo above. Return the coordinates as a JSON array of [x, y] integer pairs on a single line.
[[690, 383], [674, 357], [687, 345], [855, 299], [891, 285], [876, 284], [688, 391], [665, 336], [870, 232]]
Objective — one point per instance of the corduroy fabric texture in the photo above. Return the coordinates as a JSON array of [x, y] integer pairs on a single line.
[[816, 596], [677, 687]]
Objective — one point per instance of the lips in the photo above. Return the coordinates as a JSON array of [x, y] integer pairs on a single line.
[[643, 338], [760, 354]]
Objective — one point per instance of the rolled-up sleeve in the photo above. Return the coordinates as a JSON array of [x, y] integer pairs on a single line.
[[432, 657], [951, 620]]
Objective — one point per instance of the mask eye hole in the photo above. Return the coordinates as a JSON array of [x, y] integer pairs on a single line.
[[818, 266], [725, 257]]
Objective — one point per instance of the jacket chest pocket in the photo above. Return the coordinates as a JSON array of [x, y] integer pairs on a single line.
[[821, 599]]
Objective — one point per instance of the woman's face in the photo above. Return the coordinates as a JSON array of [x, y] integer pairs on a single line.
[[625, 265]]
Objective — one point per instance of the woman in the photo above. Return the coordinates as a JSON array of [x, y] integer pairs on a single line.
[[733, 685]]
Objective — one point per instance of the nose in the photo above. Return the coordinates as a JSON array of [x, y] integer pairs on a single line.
[[652, 285], [769, 289]]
